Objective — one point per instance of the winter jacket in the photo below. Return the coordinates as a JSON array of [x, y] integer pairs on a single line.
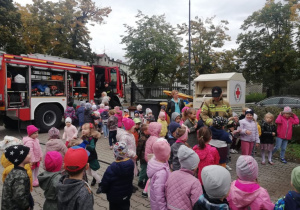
[[74, 194], [8, 166], [117, 180], [249, 125], [244, 195], [182, 190], [266, 133], [48, 182], [208, 156], [164, 128], [112, 123], [70, 112], [140, 150], [88, 116], [171, 106], [80, 115], [192, 137], [290, 201], [104, 116], [174, 157], [16, 190], [70, 133], [119, 116], [220, 138], [35, 148], [285, 126], [128, 138], [56, 145], [206, 203], [174, 116], [158, 174], [93, 158], [154, 129]]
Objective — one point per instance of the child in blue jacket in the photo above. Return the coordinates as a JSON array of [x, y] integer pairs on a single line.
[[80, 114]]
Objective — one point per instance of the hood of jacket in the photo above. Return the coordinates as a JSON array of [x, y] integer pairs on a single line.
[[70, 109], [48, 181], [173, 116], [154, 129], [54, 144], [123, 168], [155, 166], [27, 139]]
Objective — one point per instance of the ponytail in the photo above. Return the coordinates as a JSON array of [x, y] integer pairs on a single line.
[[204, 136]]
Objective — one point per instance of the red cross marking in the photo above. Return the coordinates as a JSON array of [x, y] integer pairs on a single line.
[[237, 92]]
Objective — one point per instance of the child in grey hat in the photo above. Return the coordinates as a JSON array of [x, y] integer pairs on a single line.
[[216, 181]]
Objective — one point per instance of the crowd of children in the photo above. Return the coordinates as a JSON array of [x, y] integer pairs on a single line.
[[181, 164]]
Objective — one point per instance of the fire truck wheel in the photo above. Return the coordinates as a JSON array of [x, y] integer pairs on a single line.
[[47, 116]]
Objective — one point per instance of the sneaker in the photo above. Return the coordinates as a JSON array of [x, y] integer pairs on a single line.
[[228, 168], [144, 195], [93, 182], [283, 160], [99, 190], [35, 183], [235, 151], [263, 162], [271, 163], [232, 151]]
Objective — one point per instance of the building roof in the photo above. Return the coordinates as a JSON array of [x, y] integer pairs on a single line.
[[220, 77]]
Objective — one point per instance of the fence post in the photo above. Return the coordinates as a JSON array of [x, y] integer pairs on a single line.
[[132, 93]]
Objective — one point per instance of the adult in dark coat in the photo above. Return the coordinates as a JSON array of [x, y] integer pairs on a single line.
[[175, 104]]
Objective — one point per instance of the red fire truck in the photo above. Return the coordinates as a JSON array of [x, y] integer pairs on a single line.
[[36, 88]]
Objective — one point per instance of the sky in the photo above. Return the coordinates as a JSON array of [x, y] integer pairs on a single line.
[[106, 37]]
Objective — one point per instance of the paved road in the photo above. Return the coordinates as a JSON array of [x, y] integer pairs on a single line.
[[276, 178]]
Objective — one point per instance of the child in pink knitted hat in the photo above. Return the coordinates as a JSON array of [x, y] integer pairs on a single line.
[[285, 122], [158, 172], [36, 153], [245, 192]]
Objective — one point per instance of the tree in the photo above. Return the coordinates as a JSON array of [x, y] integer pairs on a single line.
[[267, 46], [9, 23], [206, 37], [61, 28], [153, 49]]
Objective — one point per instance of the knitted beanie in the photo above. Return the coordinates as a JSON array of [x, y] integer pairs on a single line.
[[53, 161], [219, 122], [161, 114], [120, 150], [31, 129], [173, 126], [161, 149], [82, 103], [16, 154], [287, 109], [246, 168], [94, 107], [296, 178], [249, 111], [128, 123], [68, 119], [188, 159], [53, 133], [148, 110]]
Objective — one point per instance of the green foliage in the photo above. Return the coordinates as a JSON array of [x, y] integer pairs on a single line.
[[268, 45], [255, 97], [153, 50]]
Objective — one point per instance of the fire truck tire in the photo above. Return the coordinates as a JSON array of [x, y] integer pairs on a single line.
[[47, 116]]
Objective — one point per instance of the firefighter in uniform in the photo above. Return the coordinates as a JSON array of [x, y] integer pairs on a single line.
[[216, 106]]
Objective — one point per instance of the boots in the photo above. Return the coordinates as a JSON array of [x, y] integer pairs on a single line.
[[99, 190], [93, 182]]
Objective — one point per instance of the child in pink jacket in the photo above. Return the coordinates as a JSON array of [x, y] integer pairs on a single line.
[[36, 153], [119, 115], [154, 130], [245, 192], [182, 188], [70, 131], [158, 172], [285, 122]]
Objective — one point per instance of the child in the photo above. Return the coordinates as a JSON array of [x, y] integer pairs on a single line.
[[164, 124], [88, 113], [150, 119], [16, 187], [191, 123], [208, 155], [243, 115], [70, 131], [49, 179], [80, 114], [55, 143], [163, 109], [248, 132], [171, 129], [136, 114], [140, 152], [158, 171], [184, 114], [70, 111], [112, 125], [267, 137], [36, 153], [255, 117], [285, 122], [220, 139], [101, 109], [182, 188], [139, 108], [7, 165], [216, 182], [73, 192], [180, 134], [291, 200], [245, 192], [117, 179], [104, 117], [126, 113], [154, 130], [175, 117], [90, 134], [136, 131], [96, 115], [119, 115], [232, 126]]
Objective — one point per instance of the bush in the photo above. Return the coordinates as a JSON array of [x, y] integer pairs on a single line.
[[255, 97]]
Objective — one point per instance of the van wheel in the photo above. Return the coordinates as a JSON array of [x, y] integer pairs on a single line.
[[47, 116]]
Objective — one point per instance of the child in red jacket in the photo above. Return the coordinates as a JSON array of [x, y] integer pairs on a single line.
[[285, 122]]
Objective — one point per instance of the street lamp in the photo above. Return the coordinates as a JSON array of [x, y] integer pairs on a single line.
[[189, 47]]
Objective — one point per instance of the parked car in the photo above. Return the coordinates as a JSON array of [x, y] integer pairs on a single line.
[[280, 101]]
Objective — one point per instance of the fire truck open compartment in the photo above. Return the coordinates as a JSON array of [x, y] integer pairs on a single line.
[[78, 87]]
